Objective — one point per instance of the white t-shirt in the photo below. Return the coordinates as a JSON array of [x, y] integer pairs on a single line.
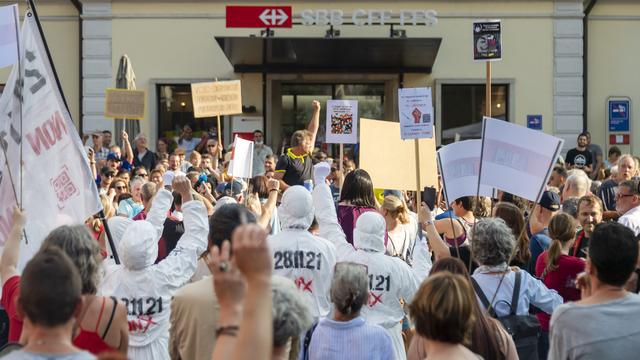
[[631, 219]]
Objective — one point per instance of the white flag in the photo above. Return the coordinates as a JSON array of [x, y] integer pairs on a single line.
[[57, 185], [459, 164], [516, 159], [9, 22], [241, 164]]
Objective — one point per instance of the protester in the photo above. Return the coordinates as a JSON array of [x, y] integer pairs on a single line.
[[50, 302], [548, 205], [269, 163], [612, 157], [356, 198], [603, 325], [577, 185], [147, 192], [156, 177], [513, 217], [492, 246], [580, 157], [194, 312], [100, 151], [246, 334], [194, 159], [391, 279], [457, 231], [488, 338], [443, 313], [260, 153], [596, 155], [162, 147], [628, 205], [132, 206], [590, 211], [95, 333], [106, 177], [558, 270], [187, 142], [146, 288], [558, 177], [401, 228], [295, 167], [346, 335], [627, 169], [142, 155]]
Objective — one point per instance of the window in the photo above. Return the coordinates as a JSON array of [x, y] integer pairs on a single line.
[[175, 109], [463, 106]]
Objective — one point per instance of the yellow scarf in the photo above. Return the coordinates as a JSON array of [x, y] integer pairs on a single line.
[[294, 156]]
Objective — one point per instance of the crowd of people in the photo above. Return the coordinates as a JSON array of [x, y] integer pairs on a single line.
[[308, 260]]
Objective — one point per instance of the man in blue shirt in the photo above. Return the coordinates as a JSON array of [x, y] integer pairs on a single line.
[[543, 212]]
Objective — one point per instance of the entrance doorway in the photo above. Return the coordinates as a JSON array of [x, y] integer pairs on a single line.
[[296, 105]]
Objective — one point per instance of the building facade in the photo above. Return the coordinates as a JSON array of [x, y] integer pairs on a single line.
[[559, 66]]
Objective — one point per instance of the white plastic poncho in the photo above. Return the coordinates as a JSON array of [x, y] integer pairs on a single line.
[[306, 259], [390, 278], [146, 289]]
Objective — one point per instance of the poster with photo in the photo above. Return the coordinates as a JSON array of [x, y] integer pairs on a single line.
[[342, 122], [416, 113], [487, 40]]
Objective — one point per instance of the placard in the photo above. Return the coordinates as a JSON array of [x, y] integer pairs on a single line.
[[416, 113], [390, 161], [459, 165], [125, 104], [487, 40], [241, 164], [216, 98], [516, 159], [342, 122]]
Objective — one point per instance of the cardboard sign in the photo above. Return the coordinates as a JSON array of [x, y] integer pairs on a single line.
[[390, 161], [342, 122], [241, 164], [125, 104], [216, 98], [416, 113], [487, 40], [459, 165], [516, 159]]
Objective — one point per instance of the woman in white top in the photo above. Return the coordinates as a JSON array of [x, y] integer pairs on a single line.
[[402, 229]]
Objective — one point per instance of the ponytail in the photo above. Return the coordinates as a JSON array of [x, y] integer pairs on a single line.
[[552, 257], [562, 229], [396, 207]]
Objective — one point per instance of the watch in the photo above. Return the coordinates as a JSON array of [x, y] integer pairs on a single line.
[[429, 222]]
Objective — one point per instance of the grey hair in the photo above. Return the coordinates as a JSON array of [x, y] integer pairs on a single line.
[[349, 288], [579, 181], [135, 180], [147, 191], [493, 242], [78, 243], [291, 315]]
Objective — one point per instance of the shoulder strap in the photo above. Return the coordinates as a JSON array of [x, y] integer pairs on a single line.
[[464, 227], [113, 312], [480, 293], [516, 293]]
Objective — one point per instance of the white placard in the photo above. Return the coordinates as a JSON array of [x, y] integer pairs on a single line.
[[9, 33], [57, 186], [459, 165], [342, 122], [241, 165], [416, 113], [516, 159]]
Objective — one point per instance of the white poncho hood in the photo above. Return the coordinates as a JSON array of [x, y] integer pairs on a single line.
[[138, 248], [296, 210], [117, 227], [369, 232]]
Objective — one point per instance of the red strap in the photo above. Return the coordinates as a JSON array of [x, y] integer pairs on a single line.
[[576, 245], [99, 316]]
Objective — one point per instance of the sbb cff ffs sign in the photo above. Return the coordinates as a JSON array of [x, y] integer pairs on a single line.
[[259, 16]]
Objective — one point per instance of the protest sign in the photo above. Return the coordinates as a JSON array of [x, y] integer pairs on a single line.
[[56, 186], [487, 40], [125, 104], [459, 165], [416, 113], [342, 122], [241, 164], [391, 161], [216, 98], [516, 159], [9, 35]]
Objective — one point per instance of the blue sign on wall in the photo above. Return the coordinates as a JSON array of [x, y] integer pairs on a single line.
[[618, 115], [534, 122]]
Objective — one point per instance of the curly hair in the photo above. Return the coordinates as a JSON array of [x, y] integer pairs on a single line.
[[76, 241], [291, 314], [493, 242]]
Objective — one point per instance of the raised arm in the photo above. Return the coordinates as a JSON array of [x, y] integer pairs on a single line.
[[9, 260], [436, 243], [128, 151], [314, 124], [273, 187], [160, 206], [180, 264]]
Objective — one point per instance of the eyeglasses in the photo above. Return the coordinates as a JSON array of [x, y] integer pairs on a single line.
[[619, 195]]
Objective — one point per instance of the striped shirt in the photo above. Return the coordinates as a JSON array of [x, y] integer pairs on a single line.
[[350, 340]]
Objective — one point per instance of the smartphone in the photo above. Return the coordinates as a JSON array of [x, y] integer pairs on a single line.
[[429, 196]]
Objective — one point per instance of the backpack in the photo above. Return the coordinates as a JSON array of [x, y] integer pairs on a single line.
[[524, 329]]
